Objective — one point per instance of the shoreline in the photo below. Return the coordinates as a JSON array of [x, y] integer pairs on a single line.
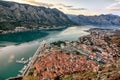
[[13, 31]]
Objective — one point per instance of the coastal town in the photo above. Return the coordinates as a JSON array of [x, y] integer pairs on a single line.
[[21, 29], [56, 60], [59, 39]]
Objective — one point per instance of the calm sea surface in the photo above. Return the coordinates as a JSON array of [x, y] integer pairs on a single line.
[[15, 46]]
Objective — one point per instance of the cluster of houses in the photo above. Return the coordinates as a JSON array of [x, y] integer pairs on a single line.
[[98, 45], [56, 63]]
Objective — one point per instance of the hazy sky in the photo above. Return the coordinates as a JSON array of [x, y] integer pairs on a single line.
[[85, 7]]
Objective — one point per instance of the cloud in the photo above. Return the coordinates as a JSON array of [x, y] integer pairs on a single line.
[[45, 4], [34, 2], [64, 5], [113, 9], [77, 9], [11, 58], [115, 6], [31, 1], [67, 7]]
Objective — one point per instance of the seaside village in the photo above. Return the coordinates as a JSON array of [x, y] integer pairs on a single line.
[[21, 28], [55, 62], [64, 57]]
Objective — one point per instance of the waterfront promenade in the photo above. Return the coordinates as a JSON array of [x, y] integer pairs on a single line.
[[37, 54]]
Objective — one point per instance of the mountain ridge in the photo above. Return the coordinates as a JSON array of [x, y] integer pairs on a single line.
[[108, 19], [14, 14]]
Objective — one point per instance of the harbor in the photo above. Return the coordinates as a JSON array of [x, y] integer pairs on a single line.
[[27, 49], [38, 53], [30, 62]]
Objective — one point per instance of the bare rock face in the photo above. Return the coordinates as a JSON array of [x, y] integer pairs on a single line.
[[14, 14]]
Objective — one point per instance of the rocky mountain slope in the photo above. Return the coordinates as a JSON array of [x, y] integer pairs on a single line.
[[108, 19], [14, 14]]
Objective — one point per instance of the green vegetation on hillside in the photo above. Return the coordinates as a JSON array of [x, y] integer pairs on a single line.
[[58, 43], [110, 71]]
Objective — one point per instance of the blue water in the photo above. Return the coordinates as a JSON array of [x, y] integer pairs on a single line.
[[14, 46]]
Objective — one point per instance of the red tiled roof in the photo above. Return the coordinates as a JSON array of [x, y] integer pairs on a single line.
[[57, 63]]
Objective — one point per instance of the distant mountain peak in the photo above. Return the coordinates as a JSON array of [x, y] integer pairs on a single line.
[[103, 19]]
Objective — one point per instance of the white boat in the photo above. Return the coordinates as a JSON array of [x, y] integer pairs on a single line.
[[22, 61], [23, 69], [18, 75], [30, 58]]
